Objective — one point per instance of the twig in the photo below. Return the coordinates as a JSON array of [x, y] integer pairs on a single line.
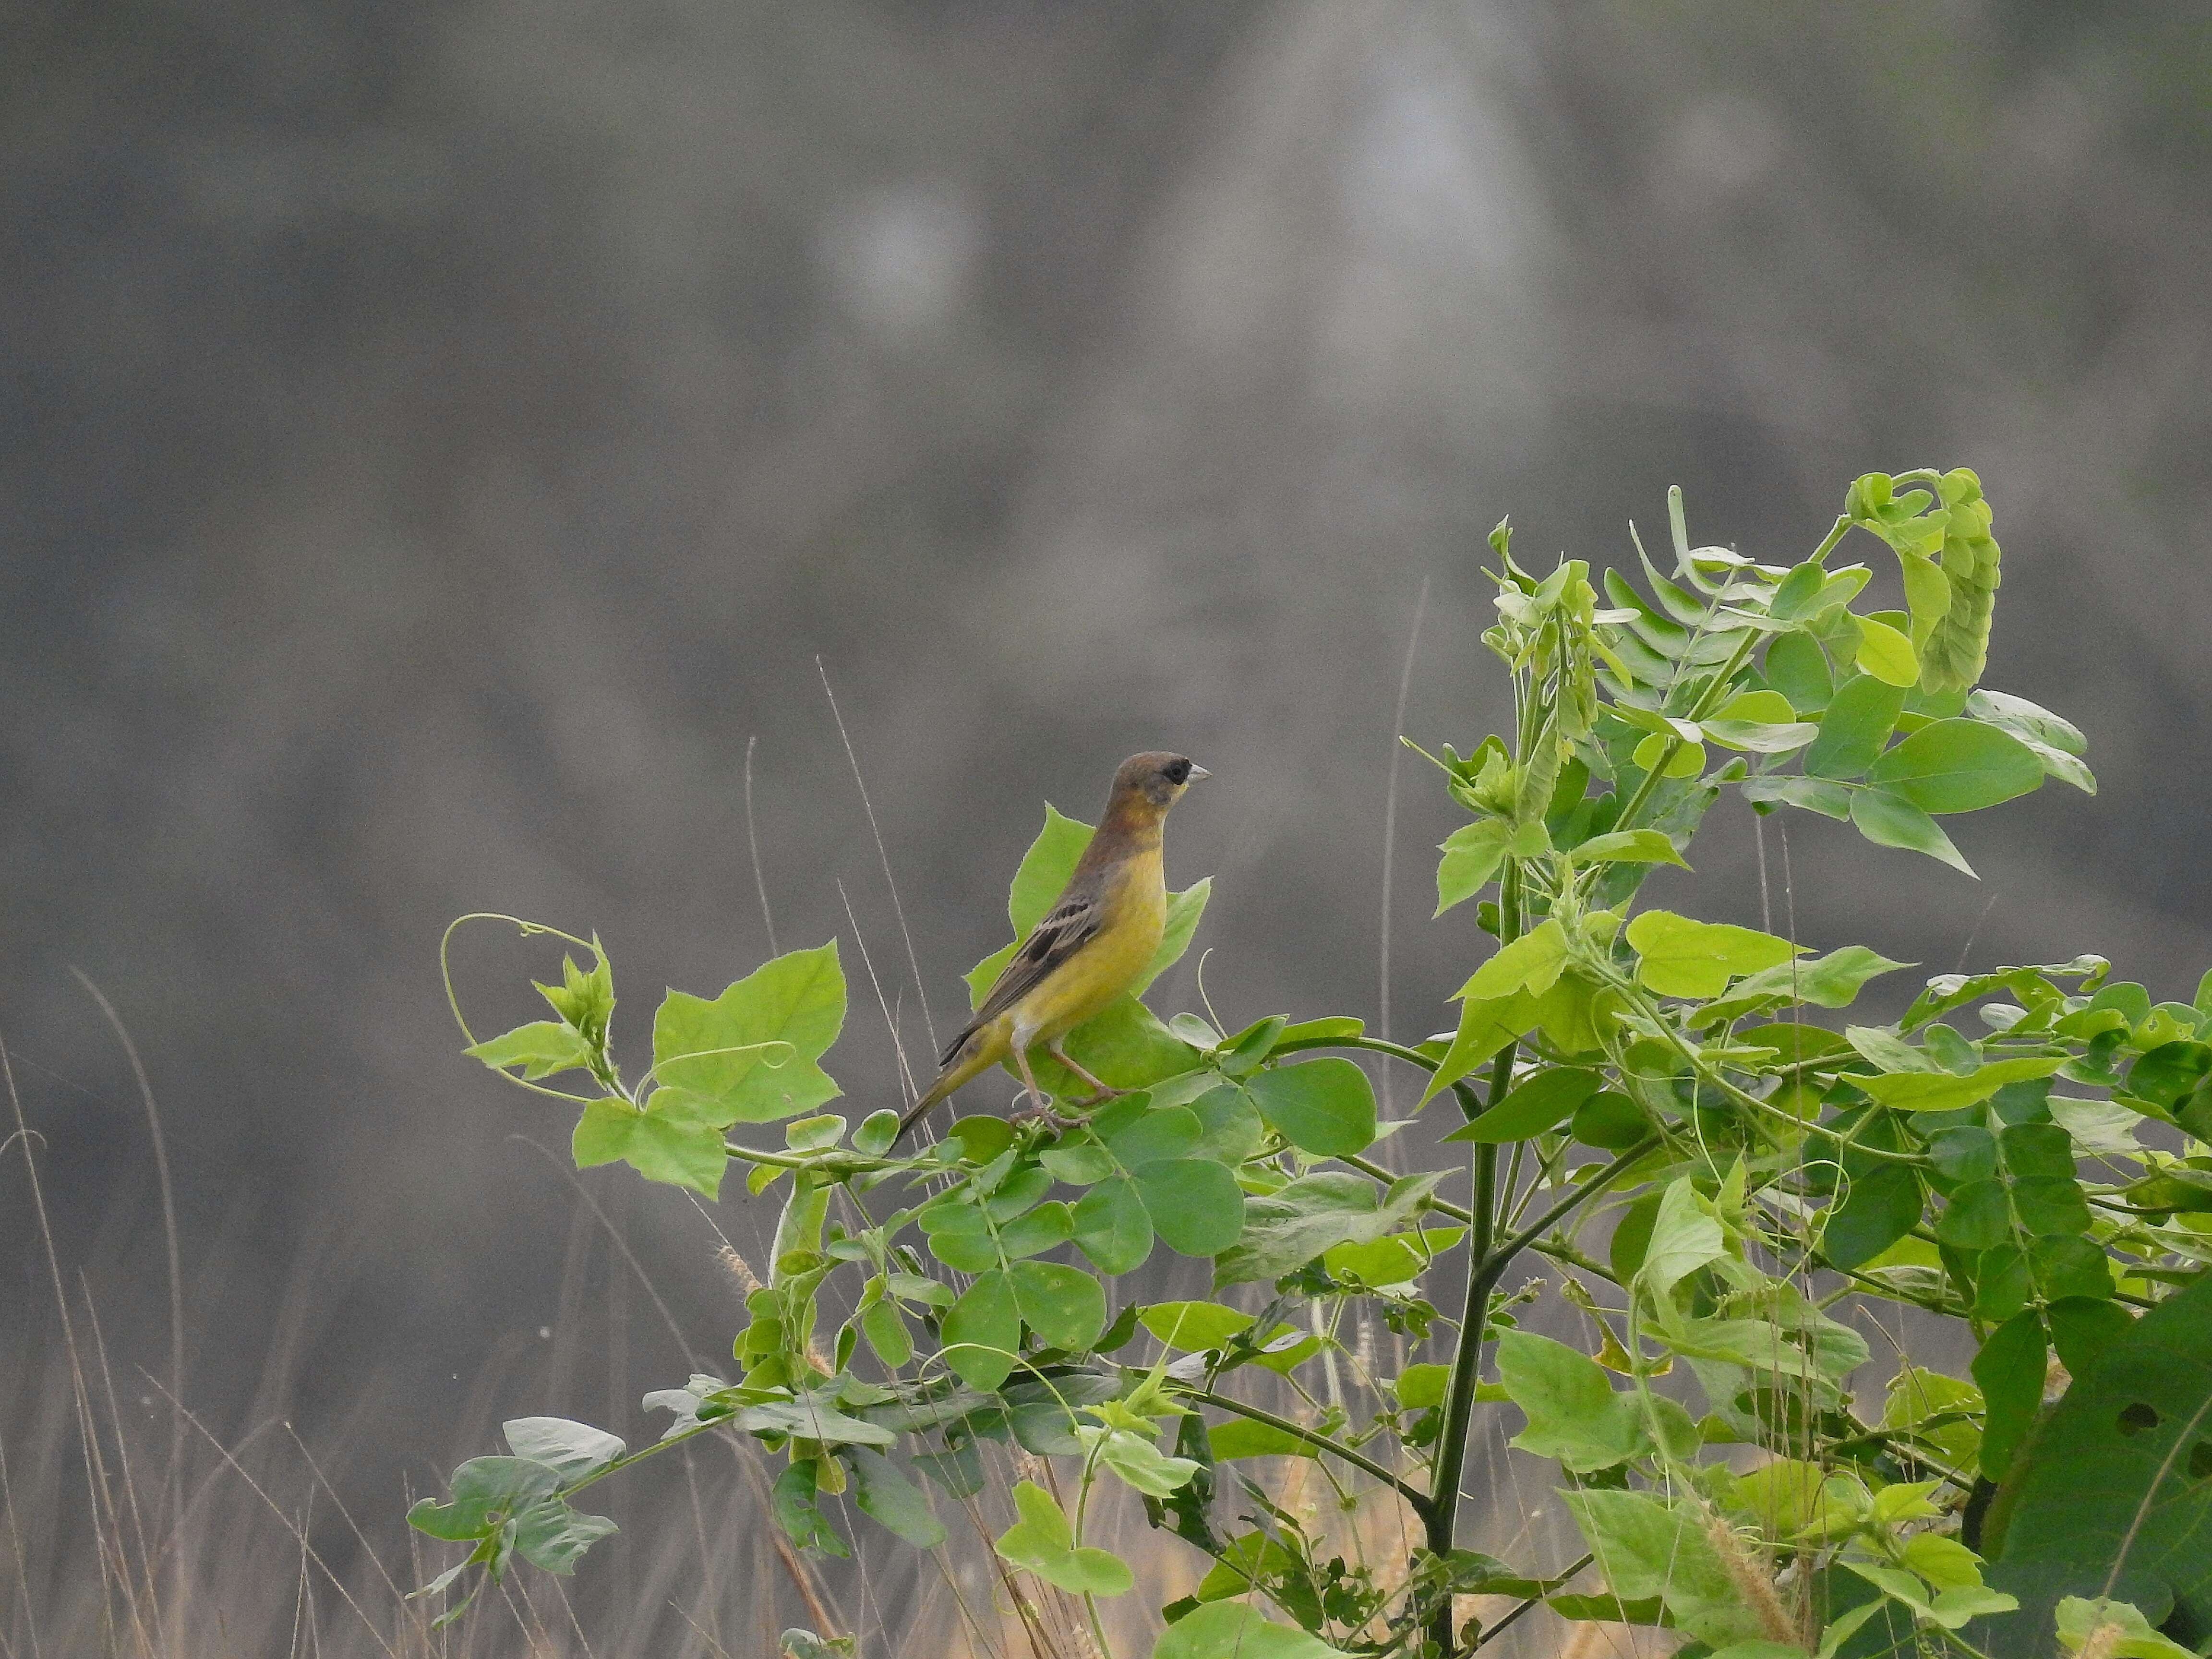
[[913, 962], [169, 1235], [752, 841]]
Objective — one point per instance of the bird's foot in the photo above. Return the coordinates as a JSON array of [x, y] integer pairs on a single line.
[[1041, 1109]]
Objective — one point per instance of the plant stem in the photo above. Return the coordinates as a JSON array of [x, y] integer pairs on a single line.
[[1413, 1495], [1487, 1264], [1532, 1602], [1484, 1267], [1636, 802], [1468, 1103]]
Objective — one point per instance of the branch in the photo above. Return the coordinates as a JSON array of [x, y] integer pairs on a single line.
[[1413, 1495]]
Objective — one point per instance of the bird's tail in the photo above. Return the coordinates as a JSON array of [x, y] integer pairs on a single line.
[[967, 1057]]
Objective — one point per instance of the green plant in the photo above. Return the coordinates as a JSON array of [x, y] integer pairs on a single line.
[[1651, 1108]]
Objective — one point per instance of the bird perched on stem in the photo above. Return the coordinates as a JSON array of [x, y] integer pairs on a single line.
[[1100, 934]]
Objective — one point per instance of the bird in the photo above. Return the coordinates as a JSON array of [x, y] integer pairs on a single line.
[[1100, 934]]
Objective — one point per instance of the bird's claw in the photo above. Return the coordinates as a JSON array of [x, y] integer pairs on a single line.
[[1042, 1110]]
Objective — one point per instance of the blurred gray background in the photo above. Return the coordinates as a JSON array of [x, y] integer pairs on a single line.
[[435, 440]]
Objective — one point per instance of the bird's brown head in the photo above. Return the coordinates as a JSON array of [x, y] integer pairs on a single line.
[[1148, 784]]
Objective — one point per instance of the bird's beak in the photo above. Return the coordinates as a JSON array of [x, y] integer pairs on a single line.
[[1198, 772]]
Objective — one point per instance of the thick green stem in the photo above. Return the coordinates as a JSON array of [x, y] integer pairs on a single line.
[[1484, 1266]]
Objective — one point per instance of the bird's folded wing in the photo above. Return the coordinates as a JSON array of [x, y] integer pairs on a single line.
[[1067, 929]]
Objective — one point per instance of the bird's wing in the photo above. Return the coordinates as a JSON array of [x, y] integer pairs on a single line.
[[1071, 925]]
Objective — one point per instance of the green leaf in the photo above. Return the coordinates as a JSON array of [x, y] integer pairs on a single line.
[[889, 1497], [2025, 720], [2079, 1618], [1649, 1549], [1143, 1135], [1192, 1327], [1472, 855], [1240, 1437], [1064, 1305], [1811, 794], [793, 1502], [1684, 1236], [1794, 595], [553, 1537], [1610, 1120], [1486, 1025], [886, 1329], [576, 1449], [659, 1143], [1286, 1229], [1545, 1101], [1229, 1127], [541, 1048], [1761, 736], [1944, 1092], [585, 1001], [814, 1134], [1685, 958], [1424, 1385], [1879, 1207], [983, 1332], [1831, 982], [1532, 963], [481, 1494], [811, 1417], [1573, 1413], [2120, 1460], [2009, 1370], [1325, 1106], [1680, 759], [773, 1026], [1796, 668], [1196, 1205], [1886, 653], [1330, 1027], [1889, 820], [1391, 1260], [1860, 718], [1112, 1228], [1235, 1630], [1628, 847], [1043, 1542], [1140, 1464], [1958, 766]]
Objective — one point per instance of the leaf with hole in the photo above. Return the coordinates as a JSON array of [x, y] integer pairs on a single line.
[[2124, 1458]]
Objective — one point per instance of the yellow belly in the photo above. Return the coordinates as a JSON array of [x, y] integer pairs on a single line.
[[1097, 975]]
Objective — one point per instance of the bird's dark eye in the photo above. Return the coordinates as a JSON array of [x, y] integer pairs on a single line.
[[1176, 771]]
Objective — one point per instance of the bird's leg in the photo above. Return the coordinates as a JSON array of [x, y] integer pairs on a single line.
[[1040, 1102], [1101, 1091]]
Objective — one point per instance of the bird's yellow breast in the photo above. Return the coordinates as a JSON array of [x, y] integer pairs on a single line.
[[1108, 963]]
